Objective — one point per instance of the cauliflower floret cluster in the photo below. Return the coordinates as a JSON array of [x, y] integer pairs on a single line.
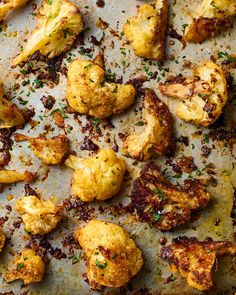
[[158, 134], [59, 23], [203, 96], [39, 216], [147, 31], [211, 16], [99, 177], [8, 5], [163, 205], [195, 259], [113, 257], [28, 267], [89, 93], [51, 151], [10, 115]]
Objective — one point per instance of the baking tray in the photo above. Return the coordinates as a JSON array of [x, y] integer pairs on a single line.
[[63, 277]]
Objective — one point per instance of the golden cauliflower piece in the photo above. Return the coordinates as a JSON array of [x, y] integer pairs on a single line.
[[99, 177], [10, 115], [195, 260], [51, 151], [59, 23], [211, 16], [203, 96], [39, 216], [158, 135], [147, 31], [113, 257], [89, 93], [8, 5], [28, 267], [2, 239], [11, 176], [163, 205]]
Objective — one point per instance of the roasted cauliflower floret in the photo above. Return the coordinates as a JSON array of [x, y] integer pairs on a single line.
[[2, 239], [28, 267], [59, 23], [210, 17], [195, 260], [39, 216], [11, 176], [113, 257], [163, 205], [8, 5], [99, 177], [158, 135], [51, 151], [203, 96], [89, 93], [10, 115], [147, 31]]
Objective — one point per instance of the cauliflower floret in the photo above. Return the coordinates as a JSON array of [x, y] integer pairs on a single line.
[[113, 257], [203, 96], [211, 16], [51, 151], [89, 93], [39, 216], [11, 176], [59, 22], [158, 135], [163, 205], [2, 239], [195, 259], [8, 5], [99, 177], [9, 112], [28, 267], [147, 31]]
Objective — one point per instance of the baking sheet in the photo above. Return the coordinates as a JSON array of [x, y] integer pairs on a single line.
[[63, 277]]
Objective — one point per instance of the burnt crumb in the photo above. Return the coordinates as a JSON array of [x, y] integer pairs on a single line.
[[88, 145], [169, 279], [143, 291], [163, 241], [29, 191], [17, 223], [8, 208], [120, 209], [187, 164], [48, 101], [5, 139], [205, 151], [173, 34], [221, 134], [27, 114], [122, 136], [233, 213], [3, 220], [184, 140], [70, 243], [138, 83], [94, 40], [176, 168], [8, 293], [100, 3], [115, 147]]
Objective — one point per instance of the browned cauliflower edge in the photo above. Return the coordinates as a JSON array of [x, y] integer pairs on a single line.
[[89, 93], [11, 176], [211, 16], [163, 205], [147, 31], [99, 177], [195, 259], [203, 96], [39, 216], [112, 255], [158, 136], [51, 151], [28, 267], [8, 5], [2, 239], [59, 23]]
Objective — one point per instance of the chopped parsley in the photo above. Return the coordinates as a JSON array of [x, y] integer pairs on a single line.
[[157, 216], [139, 123], [19, 266], [158, 192], [226, 56], [100, 265]]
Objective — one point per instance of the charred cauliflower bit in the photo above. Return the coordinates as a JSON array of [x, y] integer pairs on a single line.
[[59, 23], [211, 16], [8, 5], [99, 177], [10, 115], [39, 216], [28, 267], [51, 151], [113, 257], [11, 176], [163, 205], [203, 96], [158, 136], [2, 239], [195, 260], [89, 93], [147, 31]]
